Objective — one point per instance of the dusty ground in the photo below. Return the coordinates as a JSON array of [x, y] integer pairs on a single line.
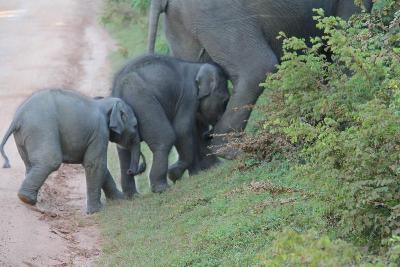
[[46, 44]]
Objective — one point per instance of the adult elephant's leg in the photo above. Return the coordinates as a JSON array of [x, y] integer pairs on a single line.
[[183, 44], [128, 183], [110, 188], [252, 67]]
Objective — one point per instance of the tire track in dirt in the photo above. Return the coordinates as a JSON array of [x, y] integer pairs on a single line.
[[48, 44]]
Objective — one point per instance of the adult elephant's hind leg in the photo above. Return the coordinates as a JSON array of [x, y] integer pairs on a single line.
[[246, 92], [128, 183]]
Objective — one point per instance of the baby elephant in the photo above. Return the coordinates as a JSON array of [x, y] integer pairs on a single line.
[[169, 96], [62, 126]]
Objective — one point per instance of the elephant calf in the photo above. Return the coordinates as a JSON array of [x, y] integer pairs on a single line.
[[62, 126], [169, 96]]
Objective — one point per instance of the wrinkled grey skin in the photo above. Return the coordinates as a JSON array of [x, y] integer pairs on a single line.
[[169, 96], [240, 36], [61, 126]]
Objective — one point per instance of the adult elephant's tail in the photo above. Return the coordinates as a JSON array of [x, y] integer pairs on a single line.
[[10, 130], [156, 8]]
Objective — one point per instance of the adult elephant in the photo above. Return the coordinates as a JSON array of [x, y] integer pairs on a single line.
[[240, 36]]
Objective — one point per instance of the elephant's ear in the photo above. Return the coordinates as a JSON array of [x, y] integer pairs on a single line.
[[206, 80], [116, 123]]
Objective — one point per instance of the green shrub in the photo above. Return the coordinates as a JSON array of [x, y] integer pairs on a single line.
[[309, 249], [127, 21], [342, 113], [140, 4], [394, 250]]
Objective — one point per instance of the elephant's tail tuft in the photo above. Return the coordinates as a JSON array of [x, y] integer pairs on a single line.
[[10, 130]]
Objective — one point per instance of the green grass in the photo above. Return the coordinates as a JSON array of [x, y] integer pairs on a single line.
[[212, 219]]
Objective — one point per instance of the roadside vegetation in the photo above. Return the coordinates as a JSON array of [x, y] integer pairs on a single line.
[[319, 183]]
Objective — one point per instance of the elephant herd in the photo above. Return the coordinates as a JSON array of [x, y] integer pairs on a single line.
[[165, 101]]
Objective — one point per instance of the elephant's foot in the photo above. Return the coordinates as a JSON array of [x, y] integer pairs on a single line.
[[27, 197], [206, 163], [93, 208], [6, 165], [115, 195], [175, 172], [159, 188], [129, 191], [209, 162], [129, 195]]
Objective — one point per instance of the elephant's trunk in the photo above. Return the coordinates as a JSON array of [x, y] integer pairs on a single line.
[[136, 168], [143, 166]]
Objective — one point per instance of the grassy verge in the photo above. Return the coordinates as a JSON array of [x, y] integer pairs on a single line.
[[233, 215], [223, 217]]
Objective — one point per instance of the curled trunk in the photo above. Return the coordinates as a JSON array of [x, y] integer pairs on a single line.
[[136, 168]]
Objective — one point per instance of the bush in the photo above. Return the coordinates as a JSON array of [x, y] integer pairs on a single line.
[[140, 4], [341, 110], [127, 21], [309, 249], [125, 11]]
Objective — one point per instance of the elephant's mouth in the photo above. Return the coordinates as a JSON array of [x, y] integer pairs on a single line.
[[208, 135]]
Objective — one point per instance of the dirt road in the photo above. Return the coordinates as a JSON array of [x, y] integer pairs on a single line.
[[45, 44]]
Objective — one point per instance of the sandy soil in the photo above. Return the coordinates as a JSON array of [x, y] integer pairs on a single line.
[[45, 44]]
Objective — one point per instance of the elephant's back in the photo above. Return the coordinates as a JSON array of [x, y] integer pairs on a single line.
[[291, 17], [56, 109], [287, 15], [34, 117], [152, 80], [39, 104], [218, 19], [149, 74], [294, 18]]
